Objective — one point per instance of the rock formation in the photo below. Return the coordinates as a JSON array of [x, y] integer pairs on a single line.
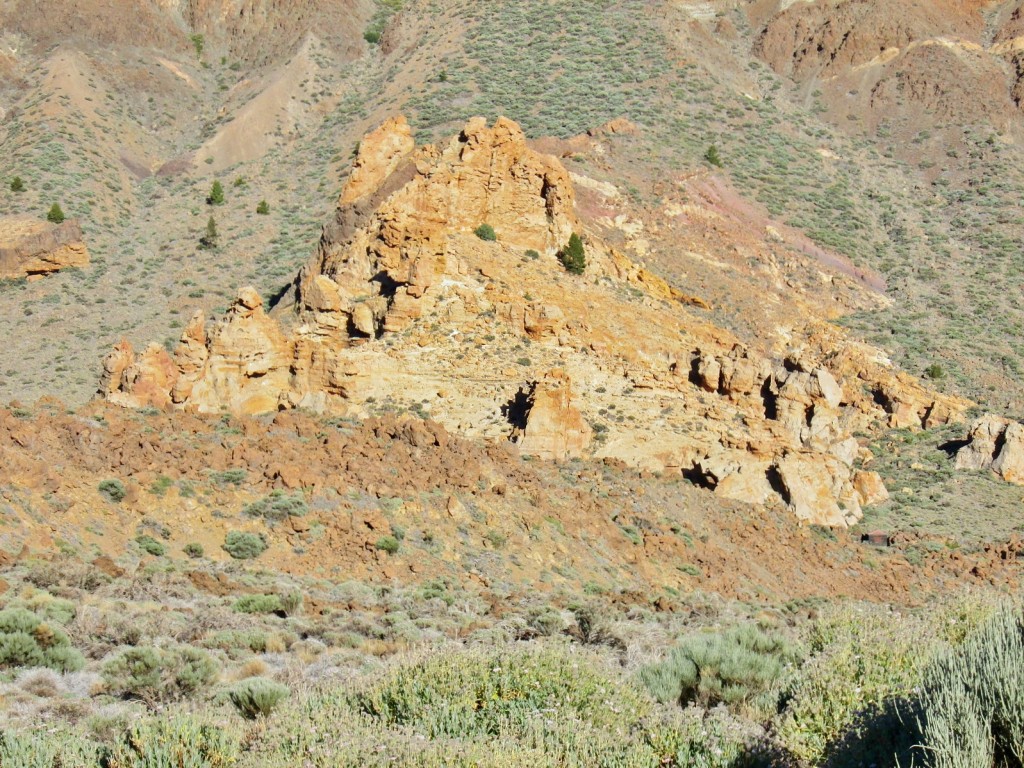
[[404, 306], [554, 427], [994, 443], [29, 247]]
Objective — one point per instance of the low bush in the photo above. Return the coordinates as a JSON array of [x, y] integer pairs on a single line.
[[740, 665], [114, 490], [278, 505], [27, 641], [243, 545], [388, 544], [573, 256], [257, 604], [150, 545], [159, 674], [486, 232], [257, 697], [175, 742], [194, 550]]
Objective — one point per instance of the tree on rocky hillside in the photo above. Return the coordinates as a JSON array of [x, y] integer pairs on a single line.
[[17, 185], [573, 256], [56, 215], [210, 239], [216, 196]]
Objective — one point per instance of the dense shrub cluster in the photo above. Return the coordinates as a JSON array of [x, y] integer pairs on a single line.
[[27, 641]]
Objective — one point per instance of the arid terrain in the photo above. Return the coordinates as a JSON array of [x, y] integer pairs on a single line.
[[544, 382]]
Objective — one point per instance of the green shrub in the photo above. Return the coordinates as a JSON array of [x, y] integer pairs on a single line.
[[114, 490], [291, 603], [194, 550], [486, 232], [216, 196], [257, 697], [243, 545], [257, 604], [159, 674], [532, 254], [389, 544], [263, 208], [49, 749], [713, 157], [55, 214], [475, 694], [17, 185], [27, 641], [277, 506], [934, 371], [740, 665], [150, 545], [972, 700], [573, 256], [174, 742]]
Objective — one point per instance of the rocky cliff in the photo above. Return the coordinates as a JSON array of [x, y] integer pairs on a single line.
[[403, 307], [29, 247]]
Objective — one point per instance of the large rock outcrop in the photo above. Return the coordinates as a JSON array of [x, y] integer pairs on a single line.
[[30, 247], [994, 443], [554, 427], [403, 307]]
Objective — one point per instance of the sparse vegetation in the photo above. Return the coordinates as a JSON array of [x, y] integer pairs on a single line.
[[263, 208], [211, 237], [17, 185], [113, 490]]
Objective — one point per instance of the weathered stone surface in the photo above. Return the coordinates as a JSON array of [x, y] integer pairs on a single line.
[[380, 152], [870, 488], [555, 428], [30, 247], [995, 443]]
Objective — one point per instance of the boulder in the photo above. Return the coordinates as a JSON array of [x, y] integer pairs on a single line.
[[555, 428], [994, 443]]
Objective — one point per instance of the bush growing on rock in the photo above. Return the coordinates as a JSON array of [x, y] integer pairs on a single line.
[[486, 232], [573, 256], [27, 641], [114, 490], [244, 546]]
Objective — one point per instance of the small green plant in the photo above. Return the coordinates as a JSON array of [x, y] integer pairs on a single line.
[[278, 505], [257, 697], [55, 215], [573, 256], [934, 371], [712, 156], [263, 208], [532, 254], [28, 641], [211, 238], [17, 185], [388, 544], [150, 545], [194, 550], [257, 604], [486, 232], [161, 485], [216, 196], [113, 490], [242, 545], [198, 42]]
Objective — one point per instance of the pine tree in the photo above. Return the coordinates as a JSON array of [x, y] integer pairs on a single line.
[[17, 185], [56, 215], [713, 157], [573, 256], [263, 208], [216, 194], [209, 241]]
